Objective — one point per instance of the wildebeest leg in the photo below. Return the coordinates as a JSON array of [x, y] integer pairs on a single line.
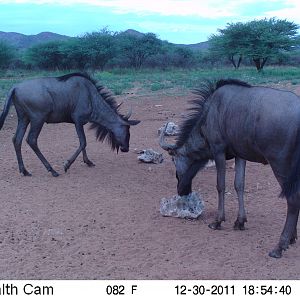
[[294, 235], [82, 141], [35, 129], [289, 232], [239, 183], [17, 141], [86, 159], [221, 170]]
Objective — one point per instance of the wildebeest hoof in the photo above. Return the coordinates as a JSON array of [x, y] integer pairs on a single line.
[[90, 163], [215, 225], [294, 238], [239, 225], [276, 253], [54, 173], [66, 166], [26, 173]]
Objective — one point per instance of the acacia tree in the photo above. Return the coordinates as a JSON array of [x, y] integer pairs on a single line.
[[7, 54], [99, 47], [138, 48], [74, 54], [259, 40], [225, 43], [267, 38], [92, 50], [45, 56], [183, 57]]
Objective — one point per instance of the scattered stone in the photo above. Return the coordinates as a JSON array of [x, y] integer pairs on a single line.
[[211, 163], [138, 151], [187, 207], [150, 156], [171, 130]]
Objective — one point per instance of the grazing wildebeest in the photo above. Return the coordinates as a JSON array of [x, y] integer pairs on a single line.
[[232, 119], [72, 98]]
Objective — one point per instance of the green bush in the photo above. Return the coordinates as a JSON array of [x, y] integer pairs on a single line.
[[7, 54]]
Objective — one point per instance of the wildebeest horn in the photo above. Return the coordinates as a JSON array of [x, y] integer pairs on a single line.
[[162, 141], [128, 114]]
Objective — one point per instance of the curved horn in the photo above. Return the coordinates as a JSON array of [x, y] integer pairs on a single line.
[[128, 115], [118, 106], [162, 141]]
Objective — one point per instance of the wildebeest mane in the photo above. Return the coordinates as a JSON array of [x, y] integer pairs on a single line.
[[104, 93], [70, 75], [200, 106], [102, 133]]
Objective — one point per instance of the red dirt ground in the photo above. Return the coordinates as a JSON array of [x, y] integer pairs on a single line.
[[104, 222]]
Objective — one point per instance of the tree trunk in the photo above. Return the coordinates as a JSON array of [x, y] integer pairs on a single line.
[[263, 62], [231, 58], [257, 64], [260, 63], [236, 65], [239, 62]]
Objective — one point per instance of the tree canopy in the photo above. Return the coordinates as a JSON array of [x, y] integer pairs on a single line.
[[99, 47], [259, 40], [254, 42], [7, 54], [138, 48]]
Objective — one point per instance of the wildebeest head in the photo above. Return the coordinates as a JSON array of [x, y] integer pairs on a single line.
[[119, 136], [188, 158], [191, 151], [117, 132], [122, 132]]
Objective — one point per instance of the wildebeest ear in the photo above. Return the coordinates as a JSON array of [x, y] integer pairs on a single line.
[[133, 122]]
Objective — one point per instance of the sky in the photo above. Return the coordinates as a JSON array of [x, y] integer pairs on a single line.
[[177, 21]]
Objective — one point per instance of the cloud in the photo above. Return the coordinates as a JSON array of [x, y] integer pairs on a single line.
[[290, 12], [171, 26], [232, 10], [174, 20], [183, 33], [205, 8]]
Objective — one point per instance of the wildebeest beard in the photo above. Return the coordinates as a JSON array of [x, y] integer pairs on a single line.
[[102, 133]]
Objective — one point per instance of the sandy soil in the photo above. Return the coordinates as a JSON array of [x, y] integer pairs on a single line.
[[104, 222]]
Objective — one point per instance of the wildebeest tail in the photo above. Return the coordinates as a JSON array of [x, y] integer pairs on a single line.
[[7, 105], [292, 185]]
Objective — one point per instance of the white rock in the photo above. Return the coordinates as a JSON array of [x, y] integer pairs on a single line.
[[171, 130], [211, 163], [188, 207], [150, 156]]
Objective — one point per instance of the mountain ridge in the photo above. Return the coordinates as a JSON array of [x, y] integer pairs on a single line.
[[23, 41]]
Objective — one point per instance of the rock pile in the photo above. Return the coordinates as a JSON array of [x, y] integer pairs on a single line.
[[188, 207], [171, 130], [150, 156]]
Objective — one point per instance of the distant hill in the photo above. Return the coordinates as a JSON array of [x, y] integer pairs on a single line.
[[22, 41], [202, 46], [133, 32]]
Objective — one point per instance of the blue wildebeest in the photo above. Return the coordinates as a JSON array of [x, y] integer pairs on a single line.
[[72, 98], [232, 119]]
